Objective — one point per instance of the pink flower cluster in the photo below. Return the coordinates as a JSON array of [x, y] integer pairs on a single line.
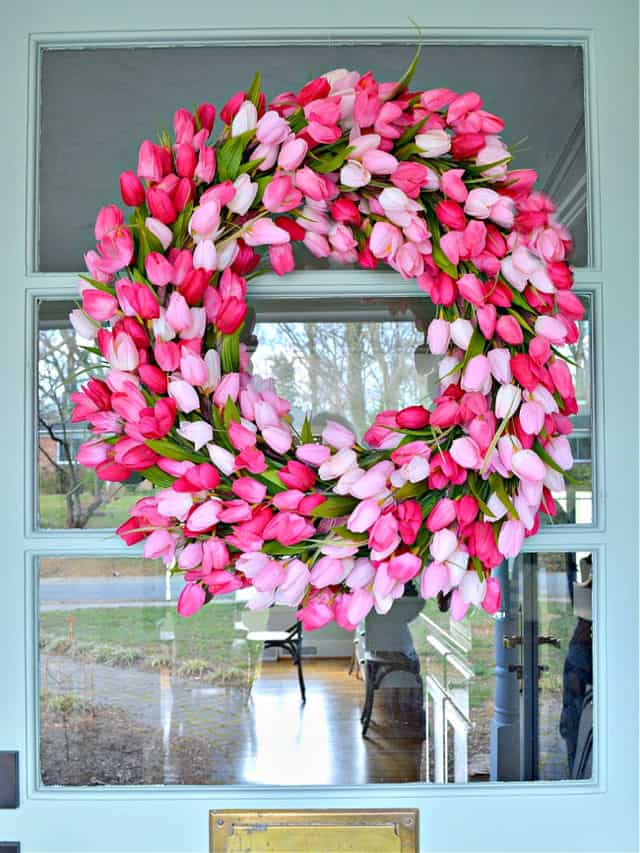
[[364, 173]]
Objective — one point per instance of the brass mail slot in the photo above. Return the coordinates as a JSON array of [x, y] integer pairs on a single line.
[[338, 831]]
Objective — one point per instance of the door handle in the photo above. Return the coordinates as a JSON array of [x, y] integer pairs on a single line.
[[511, 641], [549, 641]]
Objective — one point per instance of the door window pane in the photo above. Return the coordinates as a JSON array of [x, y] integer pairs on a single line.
[[548, 133], [131, 693]]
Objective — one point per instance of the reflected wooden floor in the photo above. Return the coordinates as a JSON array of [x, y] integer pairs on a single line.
[[320, 743]]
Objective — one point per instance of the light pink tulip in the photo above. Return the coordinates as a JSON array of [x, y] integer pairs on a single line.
[[551, 328], [435, 579], [278, 438], [327, 572], [511, 538], [466, 453], [296, 579], [364, 515], [205, 516], [443, 545], [500, 364], [453, 186], [198, 433], [264, 232], [161, 544], [404, 567], [354, 175], [292, 154], [476, 373], [385, 240], [205, 221], [507, 401], [480, 201], [433, 143], [178, 315], [528, 466], [337, 435], [245, 193], [313, 454], [361, 574], [373, 482], [438, 336], [221, 458], [272, 128], [559, 450], [459, 606]]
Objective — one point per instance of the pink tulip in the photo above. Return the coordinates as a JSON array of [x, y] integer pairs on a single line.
[[292, 154], [466, 453], [359, 605], [559, 450], [328, 571], [509, 330], [281, 259], [551, 328], [337, 435], [313, 454], [528, 466], [459, 606], [311, 184], [293, 583], [438, 336], [318, 611], [205, 221], [264, 232], [476, 373], [228, 388], [379, 162], [487, 320], [122, 353], [453, 186], [442, 514], [205, 255], [531, 417], [204, 517], [190, 556], [178, 315], [278, 438], [160, 544], [479, 202], [281, 196], [383, 537], [491, 601], [511, 538], [472, 289], [184, 394], [410, 178], [99, 305], [191, 599], [385, 240], [373, 482], [435, 579], [500, 364], [272, 128], [131, 189], [404, 567], [507, 401], [149, 162], [288, 528], [364, 515]]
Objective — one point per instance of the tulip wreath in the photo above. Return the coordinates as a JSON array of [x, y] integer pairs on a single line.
[[363, 173]]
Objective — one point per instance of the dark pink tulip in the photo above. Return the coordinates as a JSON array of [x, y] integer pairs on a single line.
[[154, 378], [206, 115], [313, 90], [150, 162], [404, 567], [441, 516], [295, 475], [450, 213], [560, 274], [194, 286], [191, 599], [167, 355], [131, 189], [228, 112], [186, 160], [509, 330], [159, 270], [569, 305], [231, 315], [183, 126], [466, 510], [472, 289], [99, 305], [409, 515], [318, 612], [487, 320], [183, 193], [412, 417], [281, 259], [467, 145], [492, 597]]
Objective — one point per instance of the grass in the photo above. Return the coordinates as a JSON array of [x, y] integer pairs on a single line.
[[130, 636], [52, 511]]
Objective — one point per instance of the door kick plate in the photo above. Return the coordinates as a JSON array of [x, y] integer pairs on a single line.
[[338, 831]]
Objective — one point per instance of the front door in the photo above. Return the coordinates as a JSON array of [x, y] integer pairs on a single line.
[[517, 731]]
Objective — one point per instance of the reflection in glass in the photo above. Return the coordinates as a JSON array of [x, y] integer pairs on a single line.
[[69, 495], [131, 693]]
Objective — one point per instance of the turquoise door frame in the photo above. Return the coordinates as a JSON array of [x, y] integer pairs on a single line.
[[600, 815]]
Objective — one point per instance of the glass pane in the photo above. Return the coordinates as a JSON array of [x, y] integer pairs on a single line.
[[69, 495], [574, 505], [514, 81], [131, 693]]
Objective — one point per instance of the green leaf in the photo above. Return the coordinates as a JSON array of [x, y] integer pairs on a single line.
[[497, 484], [98, 284], [411, 490], [331, 163], [306, 435], [250, 167], [344, 532], [230, 352], [93, 350], [168, 448], [181, 226], [231, 412], [473, 485], [439, 257], [253, 94], [476, 347], [277, 550], [157, 477], [407, 77], [542, 453], [411, 132], [298, 120], [229, 157], [335, 506]]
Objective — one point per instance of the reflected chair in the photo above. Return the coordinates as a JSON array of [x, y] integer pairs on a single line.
[[289, 639], [377, 666]]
